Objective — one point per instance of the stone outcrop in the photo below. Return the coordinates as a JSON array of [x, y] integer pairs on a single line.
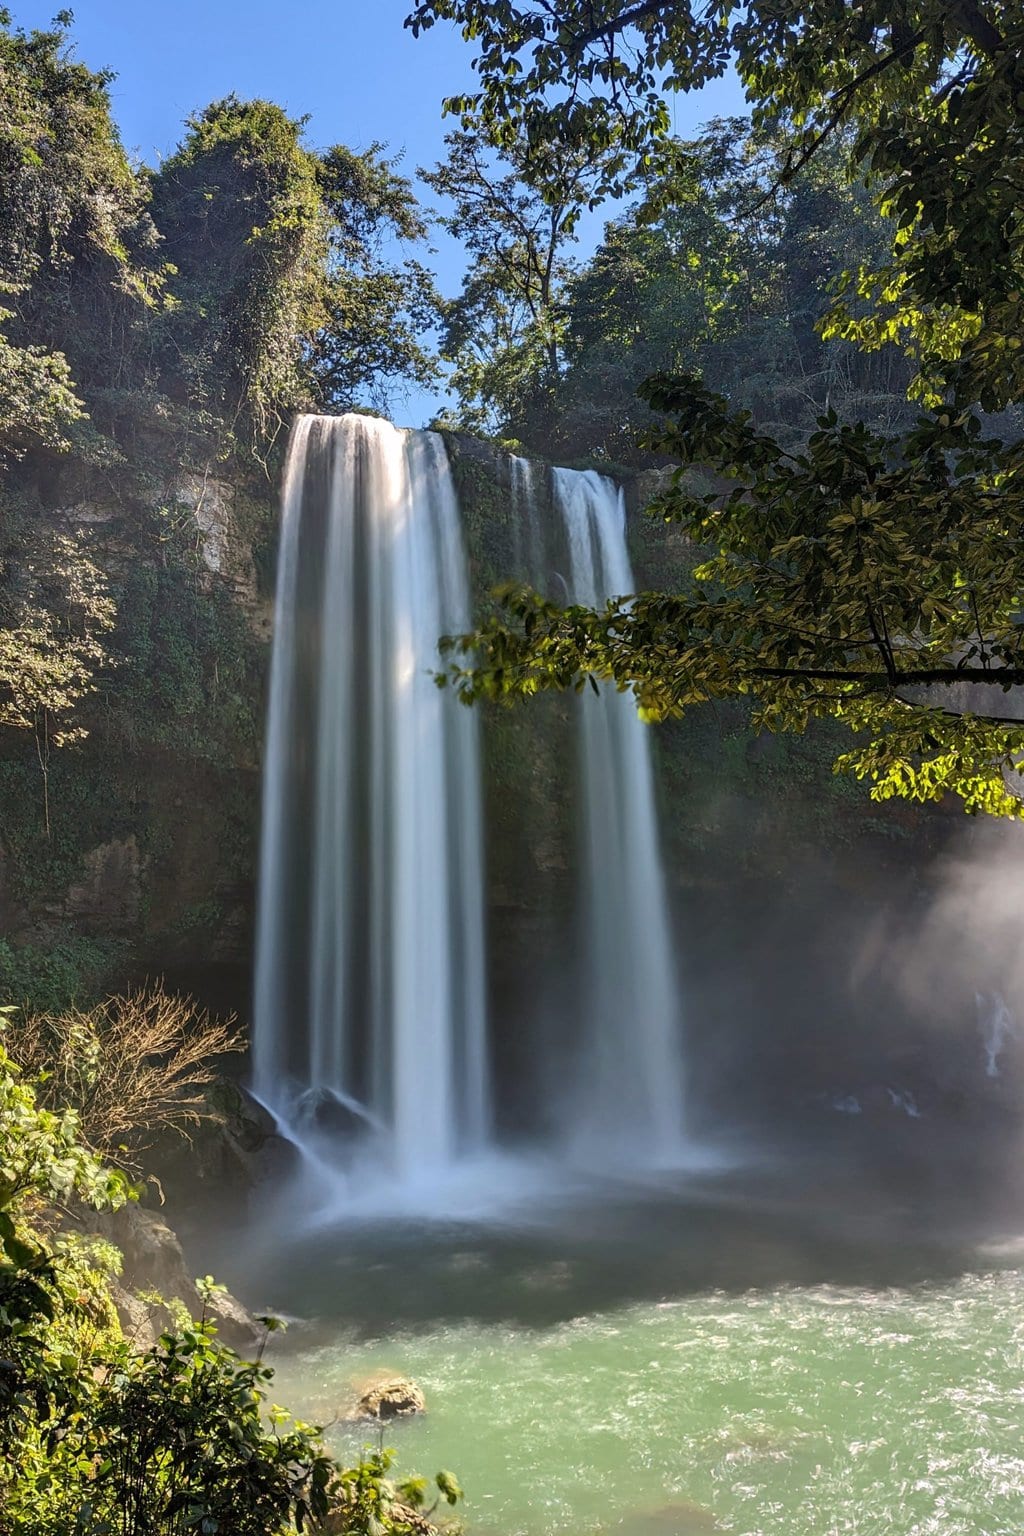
[[340, 1521], [393, 1397], [156, 1275], [107, 899]]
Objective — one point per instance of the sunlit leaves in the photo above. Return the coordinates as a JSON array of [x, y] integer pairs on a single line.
[[846, 581]]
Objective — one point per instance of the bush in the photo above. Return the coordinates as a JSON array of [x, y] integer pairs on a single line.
[[97, 1439], [131, 1067]]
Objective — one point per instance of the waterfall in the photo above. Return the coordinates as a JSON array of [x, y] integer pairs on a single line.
[[629, 1101], [369, 1007], [997, 1027]]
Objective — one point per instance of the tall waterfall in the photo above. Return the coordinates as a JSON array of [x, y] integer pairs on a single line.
[[369, 1008], [629, 1098]]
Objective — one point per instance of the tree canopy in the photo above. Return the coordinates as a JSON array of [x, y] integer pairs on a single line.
[[848, 573]]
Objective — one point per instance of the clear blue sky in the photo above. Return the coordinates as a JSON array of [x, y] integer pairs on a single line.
[[348, 64]]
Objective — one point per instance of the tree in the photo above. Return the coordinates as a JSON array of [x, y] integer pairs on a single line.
[[846, 578], [38, 405], [505, 331], [77, 246], [99, 1438], [270, 285], [55, 616], [703, 284], [280, 298], [374, 311]]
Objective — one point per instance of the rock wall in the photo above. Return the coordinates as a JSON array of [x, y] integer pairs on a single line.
[[777, 869], [149, 866]]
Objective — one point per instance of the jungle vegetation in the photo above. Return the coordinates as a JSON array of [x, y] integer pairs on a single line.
[[97, 1435], [154, 320]]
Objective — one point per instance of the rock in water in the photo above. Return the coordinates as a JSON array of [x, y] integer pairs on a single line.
[[394, 1398], [330, 1113]]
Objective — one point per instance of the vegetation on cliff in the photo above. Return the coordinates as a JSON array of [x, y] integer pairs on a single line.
[[159, 321], [158, 329]]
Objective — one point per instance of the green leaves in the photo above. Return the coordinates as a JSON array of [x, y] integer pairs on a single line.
[[283, 298], [451, 1490], [845, 581], [102, 1440], [853, 571]]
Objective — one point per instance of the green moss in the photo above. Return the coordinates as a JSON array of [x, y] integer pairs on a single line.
[[67, 970], [189, 671], [488, 518], [88, 806]]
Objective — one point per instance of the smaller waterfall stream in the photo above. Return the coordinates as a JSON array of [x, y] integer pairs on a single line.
[[629, 1099]]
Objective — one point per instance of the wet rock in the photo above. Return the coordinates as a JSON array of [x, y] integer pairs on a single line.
[[395, 1397], [339, 1520], [155, 1266], [138, 1323], [234, 1154], [682, 1517], [322, 1110], [108, 897]]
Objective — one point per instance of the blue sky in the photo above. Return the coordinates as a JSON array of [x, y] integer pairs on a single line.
[[348, 64]]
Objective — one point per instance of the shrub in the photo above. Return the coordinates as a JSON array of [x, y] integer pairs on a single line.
[[97, 1439], [131, 1067], [65, 971]]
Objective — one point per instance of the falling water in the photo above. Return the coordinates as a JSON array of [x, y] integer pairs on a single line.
[[997, 1027], [369, 1012], [629, 1103]]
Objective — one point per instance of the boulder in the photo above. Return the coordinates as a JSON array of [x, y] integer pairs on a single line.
[[155, 1263], [680, 1518], [322, 1110], [393, 1397], [137, 1318], [339, 1520], [238, 1151]]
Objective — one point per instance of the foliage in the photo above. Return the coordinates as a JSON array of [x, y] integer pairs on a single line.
[[280, 297], [836, 587], [851, 577], [77, 246], [553, 354], [732, 283], [188, 672], [179, 1443], [598, 76], [42, 1164], [37, 401], [131, 1067], [365, 1500], [66, 970], [373, 312], [505, 331], [100, 1439], [160, 321], [57, 611], [55, 617]]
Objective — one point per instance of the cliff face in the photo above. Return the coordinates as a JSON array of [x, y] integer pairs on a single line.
[[776, 868], [149, 864], [782, 877]]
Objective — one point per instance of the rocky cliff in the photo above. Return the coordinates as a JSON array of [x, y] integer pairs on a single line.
[[776, 868]]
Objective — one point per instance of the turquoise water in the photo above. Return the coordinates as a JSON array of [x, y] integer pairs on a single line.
[[575, 1386]]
